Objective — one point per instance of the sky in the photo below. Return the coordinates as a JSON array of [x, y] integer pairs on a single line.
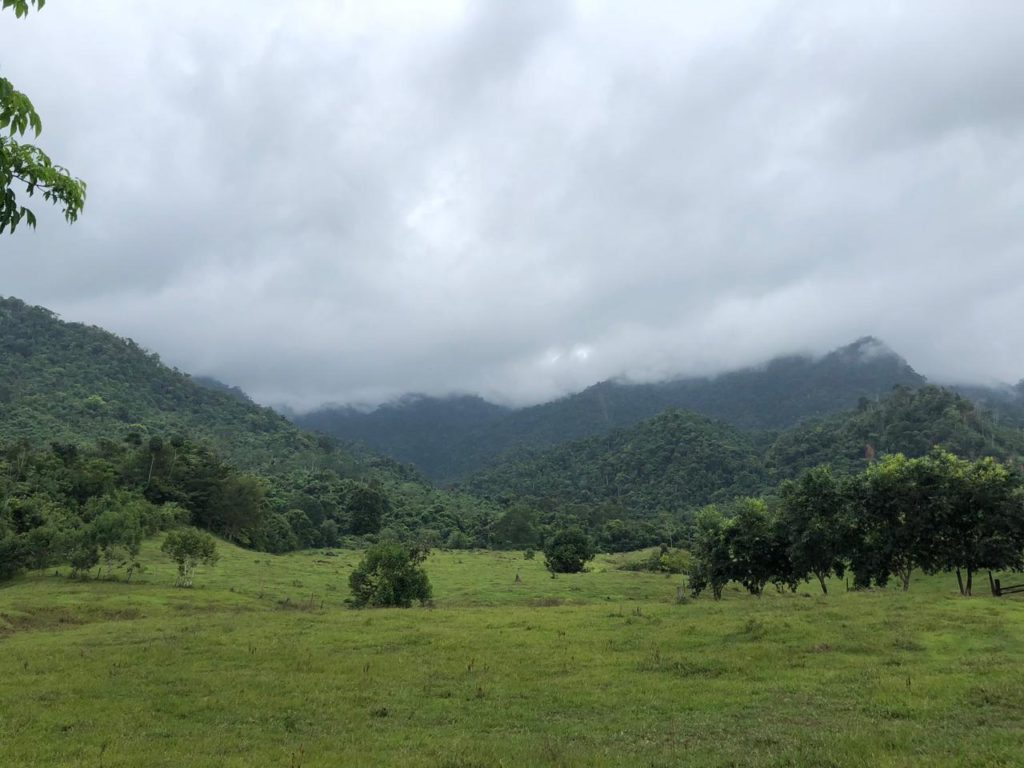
[[343, 202]]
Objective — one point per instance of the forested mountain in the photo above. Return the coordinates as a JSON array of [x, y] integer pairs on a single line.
[[672, 462], [449, 439], [1005, 402], [908, 421], [85, 395], [71, 382], [679, 460], [443, 437], [90, 421], [219, 386]]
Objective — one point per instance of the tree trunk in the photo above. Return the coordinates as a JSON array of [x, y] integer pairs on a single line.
[[960, 582], [821, 580], [905, 576], [970, 580]]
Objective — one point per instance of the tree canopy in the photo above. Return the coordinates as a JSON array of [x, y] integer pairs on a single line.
[[568, 551], [25, 167]]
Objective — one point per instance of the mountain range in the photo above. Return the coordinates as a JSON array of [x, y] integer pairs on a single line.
[[64, 383], [451, 438], [615, 451]]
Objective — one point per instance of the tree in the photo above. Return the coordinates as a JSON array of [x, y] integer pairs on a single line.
[[11, 553], [756, 553], [812, 521], [711, 561], [515, 529], [234, 508], [568, 550], [118, 536], [189, 548], [23, 164], [390, 575], [980, 525], [367, 505], [896, 514]]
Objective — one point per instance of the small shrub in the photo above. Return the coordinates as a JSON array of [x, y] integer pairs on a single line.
[[189, 548]]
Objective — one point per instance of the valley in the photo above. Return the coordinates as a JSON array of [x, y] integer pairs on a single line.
[[685, 641], [261, 664]]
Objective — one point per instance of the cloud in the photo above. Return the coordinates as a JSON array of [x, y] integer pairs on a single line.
[[349, 201]]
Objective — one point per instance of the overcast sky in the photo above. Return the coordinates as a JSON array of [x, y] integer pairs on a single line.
[[332, 201]]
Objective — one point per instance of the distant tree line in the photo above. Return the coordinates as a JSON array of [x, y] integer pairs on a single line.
[[935, 513], [92, 507]]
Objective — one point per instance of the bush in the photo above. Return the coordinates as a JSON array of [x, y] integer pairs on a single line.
[[663, 560], [568, 550], [189, 548], [390, 574], [458, 540]]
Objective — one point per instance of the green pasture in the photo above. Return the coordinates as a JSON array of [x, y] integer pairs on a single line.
[[262, 664]]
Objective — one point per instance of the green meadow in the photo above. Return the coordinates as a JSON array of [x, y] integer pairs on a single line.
[[263, 664]]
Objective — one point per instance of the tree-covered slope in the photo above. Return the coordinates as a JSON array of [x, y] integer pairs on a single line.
[[1004, 402], [674, 461], [72, 383], [908, 421], [680, 460], [442, 437], [449, 439], [65, 385]]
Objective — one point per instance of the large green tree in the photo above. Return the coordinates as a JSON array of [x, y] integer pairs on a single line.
[[897, 511], [979, 522], [712, 564], [757, 554], [813, 521], [24, 167]]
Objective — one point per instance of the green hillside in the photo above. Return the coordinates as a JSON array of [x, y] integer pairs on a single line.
[[674, 461], [681, 460], [71, 382], [908, 421], [79, 402], [451, 438], [443, 437], [140, 428]]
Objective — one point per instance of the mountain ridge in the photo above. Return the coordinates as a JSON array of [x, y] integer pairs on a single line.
[[680, 459], [71, 387], [441, 437]]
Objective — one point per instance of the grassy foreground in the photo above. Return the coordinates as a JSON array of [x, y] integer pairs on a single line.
[[262, 665]]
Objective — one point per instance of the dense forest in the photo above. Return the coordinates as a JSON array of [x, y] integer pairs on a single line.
[[675, 461], [85, 504], [678, 460], [909, 422], [452, 438], [71, 382], [95, 430], [70, 389]]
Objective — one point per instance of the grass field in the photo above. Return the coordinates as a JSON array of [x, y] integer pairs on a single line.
[[262, 665]]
